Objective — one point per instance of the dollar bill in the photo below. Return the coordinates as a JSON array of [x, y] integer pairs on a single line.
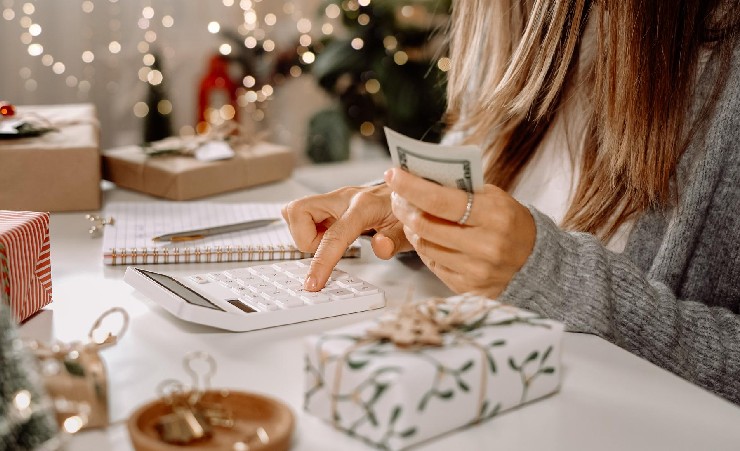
[[458, 167]]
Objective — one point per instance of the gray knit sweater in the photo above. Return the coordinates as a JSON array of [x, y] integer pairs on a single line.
[[673, 296]]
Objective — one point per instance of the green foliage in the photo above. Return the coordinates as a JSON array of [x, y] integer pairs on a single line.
[[406, 95], [74, 367], [18, 372], [408, 432], [328, 137], [395, 414], [356, 364]]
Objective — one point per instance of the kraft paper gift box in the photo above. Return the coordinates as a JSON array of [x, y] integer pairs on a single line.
[[57, 171], [393, 396], [25, 264], [183, 177]]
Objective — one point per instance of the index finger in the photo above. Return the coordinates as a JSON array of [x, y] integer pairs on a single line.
[[332, 247], [430, 197], [307, 216]]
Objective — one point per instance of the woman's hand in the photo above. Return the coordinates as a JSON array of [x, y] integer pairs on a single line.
[[328, 223], [481, 256]]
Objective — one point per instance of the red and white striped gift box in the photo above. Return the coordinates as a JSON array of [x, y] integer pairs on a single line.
[[25, 263]]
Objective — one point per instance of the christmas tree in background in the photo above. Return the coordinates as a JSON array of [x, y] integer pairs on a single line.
[[26, 412], [386, 71]]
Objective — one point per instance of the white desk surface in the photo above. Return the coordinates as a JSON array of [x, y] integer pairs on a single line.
[[609, 400]]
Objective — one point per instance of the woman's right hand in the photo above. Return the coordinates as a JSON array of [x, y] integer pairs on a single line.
[[326, 224]]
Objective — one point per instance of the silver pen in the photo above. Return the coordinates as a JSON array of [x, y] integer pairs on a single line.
[[190, 235]]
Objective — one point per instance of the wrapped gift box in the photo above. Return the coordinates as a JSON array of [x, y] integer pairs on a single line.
[[57, 171], [393, 396], [182, 177], [25, 264]]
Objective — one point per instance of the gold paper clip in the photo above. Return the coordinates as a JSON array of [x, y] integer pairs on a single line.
[[185, 424], [216, 414]]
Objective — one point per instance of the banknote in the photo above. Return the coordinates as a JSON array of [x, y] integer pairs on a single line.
[[453, 166]]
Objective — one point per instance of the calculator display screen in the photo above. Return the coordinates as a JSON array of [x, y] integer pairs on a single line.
[[188, 295]]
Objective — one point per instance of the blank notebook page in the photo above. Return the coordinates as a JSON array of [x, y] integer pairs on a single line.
[[129, 239]]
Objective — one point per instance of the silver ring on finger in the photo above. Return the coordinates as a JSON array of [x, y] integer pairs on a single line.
[[468, 207]]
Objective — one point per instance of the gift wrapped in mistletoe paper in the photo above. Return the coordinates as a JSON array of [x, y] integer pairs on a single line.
[[429, 368]]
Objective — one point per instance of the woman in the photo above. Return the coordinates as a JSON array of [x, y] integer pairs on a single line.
[[620, 120]]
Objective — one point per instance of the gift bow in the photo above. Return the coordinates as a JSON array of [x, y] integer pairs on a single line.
[[188, 144], [424, 323]]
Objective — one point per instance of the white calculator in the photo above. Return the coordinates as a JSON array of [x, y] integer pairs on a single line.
[[255, 297]]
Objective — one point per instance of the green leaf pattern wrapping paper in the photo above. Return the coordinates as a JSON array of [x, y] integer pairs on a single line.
[[392, 398]]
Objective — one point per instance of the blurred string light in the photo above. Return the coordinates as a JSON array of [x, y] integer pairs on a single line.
[[254, 29]]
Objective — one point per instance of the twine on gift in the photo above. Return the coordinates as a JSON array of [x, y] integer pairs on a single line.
[[186, 145], [46, 124], [423, 324]]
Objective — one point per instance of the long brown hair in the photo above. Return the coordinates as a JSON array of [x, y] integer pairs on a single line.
[[512, 59]]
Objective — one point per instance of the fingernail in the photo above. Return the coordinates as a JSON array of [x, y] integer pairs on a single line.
[[310, 284], [388, 175]]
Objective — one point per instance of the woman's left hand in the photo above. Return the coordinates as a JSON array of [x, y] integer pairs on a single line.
[[480, 256]]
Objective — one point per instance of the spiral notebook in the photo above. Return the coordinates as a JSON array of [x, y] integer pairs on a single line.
[[128, 240]]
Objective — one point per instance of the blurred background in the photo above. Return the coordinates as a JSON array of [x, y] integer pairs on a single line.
[[322, 77]]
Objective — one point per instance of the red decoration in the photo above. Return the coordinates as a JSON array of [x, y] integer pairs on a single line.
[[216, 83], [6, 109]]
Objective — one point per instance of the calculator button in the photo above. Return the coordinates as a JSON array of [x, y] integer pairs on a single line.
[[337, 274], [339, 293], [281, 278], [239, 273], [241, 291], [332, 285], [200, 278], [259, 287], [246, 281], [262, 269], [282, 266], [267, 306], [274, 293], [297, 272], [315, 298], [290, 302], [228, 283], [270, 276], [249, 299], [364, 288], [348, 282], [217, 277], [288, 284]]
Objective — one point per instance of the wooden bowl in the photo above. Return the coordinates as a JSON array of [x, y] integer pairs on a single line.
[[250, 411]]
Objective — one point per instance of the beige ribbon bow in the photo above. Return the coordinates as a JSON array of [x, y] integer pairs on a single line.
[[424, 323], [235, 133]]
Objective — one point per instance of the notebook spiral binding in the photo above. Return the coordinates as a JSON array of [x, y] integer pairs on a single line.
[[217, 254]]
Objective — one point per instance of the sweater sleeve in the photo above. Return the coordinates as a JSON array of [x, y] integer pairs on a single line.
[[573, 278]]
